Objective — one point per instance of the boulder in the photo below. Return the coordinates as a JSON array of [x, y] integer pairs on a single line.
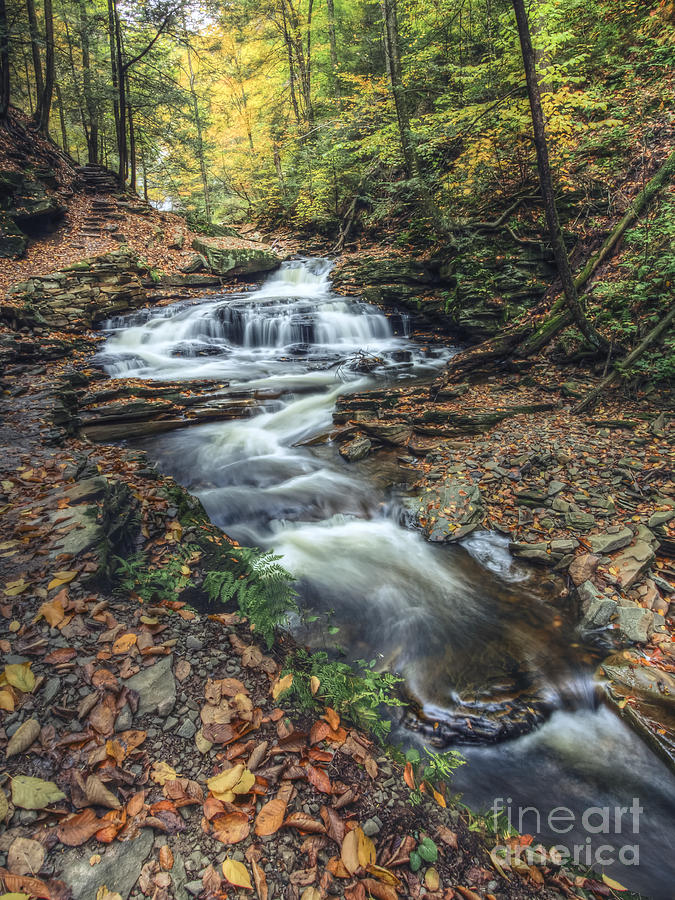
[[533, 553], [449, 512], [597, 609], [224, 258], [156, 687], [583, 567], [612, 539], [633, 563], [635, 623], [356, 449]]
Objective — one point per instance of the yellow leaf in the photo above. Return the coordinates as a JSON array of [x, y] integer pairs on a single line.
[[163, 772], [281, 685], [124, 643], [431, 879], [63, 577], [237, 874], [245, 783], [614, 885], [7, 701], [20, 676], [314, 684], [14, 588], [224, 782], [53, 612]]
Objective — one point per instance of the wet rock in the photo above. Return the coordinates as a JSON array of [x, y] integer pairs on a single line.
[[118, 870], [661, 518], [83, 533], [597, 609], [156, 687], [395, 433], [633, 563], [583, 568], [578, 520], [647, 680], [635, 623], [224, 259], [534, 553], [613, 539], [448, 512], [356, 449]]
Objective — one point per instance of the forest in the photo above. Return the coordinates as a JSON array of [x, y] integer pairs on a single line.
[[337, 449]]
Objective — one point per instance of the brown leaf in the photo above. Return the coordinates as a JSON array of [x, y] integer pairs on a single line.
[[231, 828], [357, 850], [467, 894], [303, 877], [271, 817], [182, 669], [409, 776], [99, 795], [357, 892], [318, 778], [211, 881], [332, 718], [447, 836], [337, 868], [25, 856], [24, 884], [335, 827], [166, 857], [379, 890], [260, 880], [305, 823], [24, 736], [60, 655], [77, 829]]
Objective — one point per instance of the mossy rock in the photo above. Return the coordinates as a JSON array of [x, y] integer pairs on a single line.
[[225, 260]]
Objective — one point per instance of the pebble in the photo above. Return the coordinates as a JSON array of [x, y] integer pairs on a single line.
[[187, 729], [193, 643]]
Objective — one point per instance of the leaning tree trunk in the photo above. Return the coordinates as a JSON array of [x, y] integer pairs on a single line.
[[660, 329], [45, 106], [546, 181], [526, 339], [34, 32], [4, 63]]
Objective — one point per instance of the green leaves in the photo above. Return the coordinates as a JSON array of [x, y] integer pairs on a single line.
[[34, 793]]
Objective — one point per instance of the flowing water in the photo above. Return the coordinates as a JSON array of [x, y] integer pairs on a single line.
[[486, 647]]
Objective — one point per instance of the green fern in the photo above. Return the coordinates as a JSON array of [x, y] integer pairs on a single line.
[[262, 587], [358, 696]]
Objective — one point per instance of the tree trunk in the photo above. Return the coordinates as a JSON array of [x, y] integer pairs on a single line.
[[4, 63], [132, 149], [45, 107], [91, 129], [200, 134], [62, 118], [393, 61], [35, 50], [660, 329], [546, 182], [145, 173], [114, 74], [122, 146], [330, 8], [291, 66]]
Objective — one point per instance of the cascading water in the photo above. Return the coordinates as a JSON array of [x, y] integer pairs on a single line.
[[483, 645]]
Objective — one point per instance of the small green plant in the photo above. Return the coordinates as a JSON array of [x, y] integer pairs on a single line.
[[263, 589], [153, 583], [433, 771], [357, 695]]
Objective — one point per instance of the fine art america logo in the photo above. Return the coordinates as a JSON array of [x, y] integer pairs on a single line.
[[619, 821]]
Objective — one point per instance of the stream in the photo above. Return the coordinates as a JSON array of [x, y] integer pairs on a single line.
[[487, 647]]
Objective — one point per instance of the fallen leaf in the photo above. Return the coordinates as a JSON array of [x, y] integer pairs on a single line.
[[431, 879], [124, 643], [20, 676], [281, 685], [99, 795], [237, 874], [163, 772], [614, 885], [318, 778], [63, 577], [357, 850], [77, 829], [25, 856], [270, 818], [34, 793], [314, 684], [24, 737], [231, 828], [166, 858]]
